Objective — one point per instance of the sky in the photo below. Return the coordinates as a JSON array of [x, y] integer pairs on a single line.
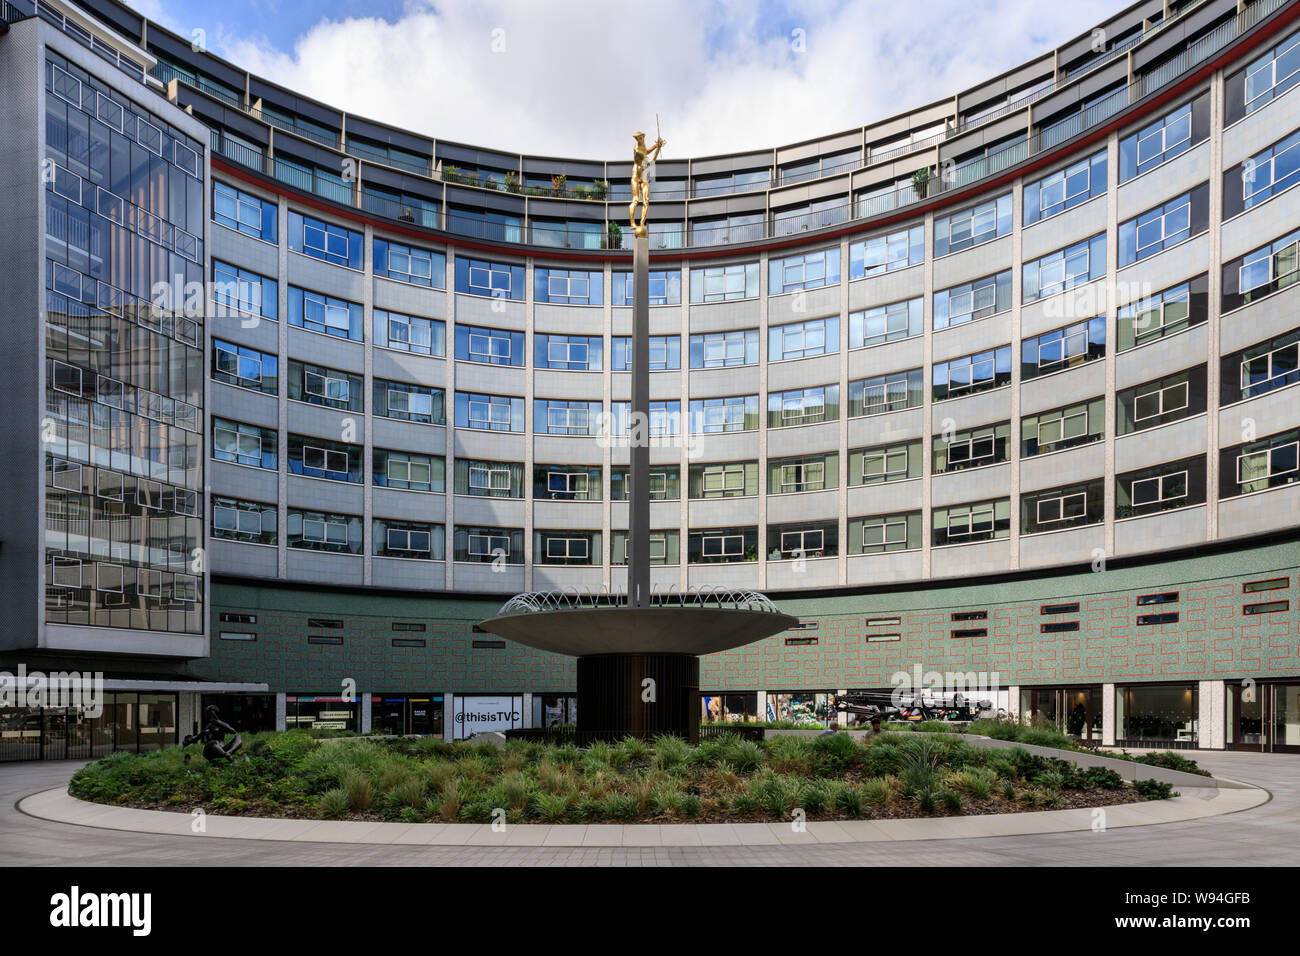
[[575, 78]]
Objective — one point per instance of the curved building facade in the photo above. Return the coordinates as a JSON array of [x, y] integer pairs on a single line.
[[1003, 384]]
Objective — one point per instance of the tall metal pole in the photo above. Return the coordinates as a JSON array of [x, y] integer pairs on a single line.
[[638, 543]]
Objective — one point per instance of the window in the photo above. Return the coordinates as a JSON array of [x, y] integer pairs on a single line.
[[1072, 608], [498, 413], [665, 353], [247, 521], [490, 346], [885, 323], [724, 283], [881, 533], [972, 373], [1265, 607], [665, 483], [811, 270], [792, 542], [721, 545], [803, 339], [665, 288], [1151, 490], [238, 292], [566, 547], [1164, 226], [566, 482], [1265, 79], [1165, 400], [1261, 272], [244, 444], [244, 367], [972, 448], [317, 385], [720, 349], [968, 616], [244, 212], [322, 531], [409, 333], [885, 463], [325, 241], [581, 353], [1271, 584], [1075, 505], [1256, 466], [1163, 597], [489, 479], [1148, 620], [972, 300], [558, 417], [1065, 269], [409, 403], [1262, 177], [968, 632], [1065, 188], [568, 286], [322, 313], [409, 471], [1161, 140], [409, 539], [404, 263], [1166, 313], [496, 279], [322, 458], [1061, 428], [881, 254], [735, 479], [971, 227], [966, 523], [1063, 348], [664, 547], [805, 406], [1262, 368], [885, 393], [485, 545], [809, 473], [664, 418], [735, 413]]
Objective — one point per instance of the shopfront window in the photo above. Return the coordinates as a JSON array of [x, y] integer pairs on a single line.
[[128, 721], [555, 710], [406, 714], [729, 708], [312, 713], [802, 709], [1158, 713]]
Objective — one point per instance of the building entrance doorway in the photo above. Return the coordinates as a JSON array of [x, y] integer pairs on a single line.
[[1264, 716]]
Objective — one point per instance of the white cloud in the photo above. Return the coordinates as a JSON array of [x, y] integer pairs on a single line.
[[577, 77]]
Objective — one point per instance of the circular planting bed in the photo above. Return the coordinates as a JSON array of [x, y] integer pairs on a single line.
[[728, 780]]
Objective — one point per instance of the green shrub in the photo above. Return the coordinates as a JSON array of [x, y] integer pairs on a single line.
[[361, 795], [745, 755], [550, 807], [849, 799], [479, 811], [452, 799], [670, 752], [814, 797], [951, 800], [634, 749], [790, 755], [876, 791], [408, 793], [621, 806], [333, 804], [935, 727], [834, 753], [1101, 778], [690, 806], [1153, 789], [1172, 761]]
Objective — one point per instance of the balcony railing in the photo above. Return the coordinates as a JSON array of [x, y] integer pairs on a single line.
[[882, 202]]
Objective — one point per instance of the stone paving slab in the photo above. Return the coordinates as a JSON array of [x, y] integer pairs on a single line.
[[58, 806]]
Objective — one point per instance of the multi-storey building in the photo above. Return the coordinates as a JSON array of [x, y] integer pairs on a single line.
[[1002, 384]]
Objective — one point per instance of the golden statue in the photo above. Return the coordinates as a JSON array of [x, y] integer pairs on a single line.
[[641, 158]]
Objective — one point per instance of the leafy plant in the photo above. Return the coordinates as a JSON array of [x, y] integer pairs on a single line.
[[334, 804], [921, 182], [1153, 789]]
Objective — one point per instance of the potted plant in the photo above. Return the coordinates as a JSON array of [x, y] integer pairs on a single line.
[[615, 236], [559, 184], [451, 174], [512, 182], [921, 182], [580, 192], [599, 189]]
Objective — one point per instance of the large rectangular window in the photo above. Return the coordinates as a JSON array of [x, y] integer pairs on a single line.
[[665, 483], [1168, 312], [724, 283], [497, 413], [1262, 176], [809, 270], [665, 353], [1063, 348], [885, 393], [413, 540], [324, 531], [485, 545], [788, 476], [793, 542], [1165, 138], [971, 227], [972, 447], [404, 263], [885, 323], [665, 288], [409, 403], [803, 406], [1066, 188], [1065, 269], [244, 367], [244, 212], [325, 241], [568, 286], [972, 373], [1269, 462], [409, 471], [240, 293], [248, 521], [1060, 508], [554, 416], [573, 353], [665, 418], [722, 545], [1261, 272], [567, 482], [972, 300], [1157, 713], [803, 339], [499, 280], [1265, 79], [735, 413], [882, 463], [881, 254], [665, 547], [314, 457], [1162, 401], [410, 333], [489, 479], [734, 479], [967, 523], [1060, 428], [490, 346], [1175, 484], [566, 547], [720, 349], [318, 385], [244, 444], [1164, 226], [1261, 368], [877, 534], [316, 312]]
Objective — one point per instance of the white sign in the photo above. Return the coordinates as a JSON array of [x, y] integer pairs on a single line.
[[476, 715]]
